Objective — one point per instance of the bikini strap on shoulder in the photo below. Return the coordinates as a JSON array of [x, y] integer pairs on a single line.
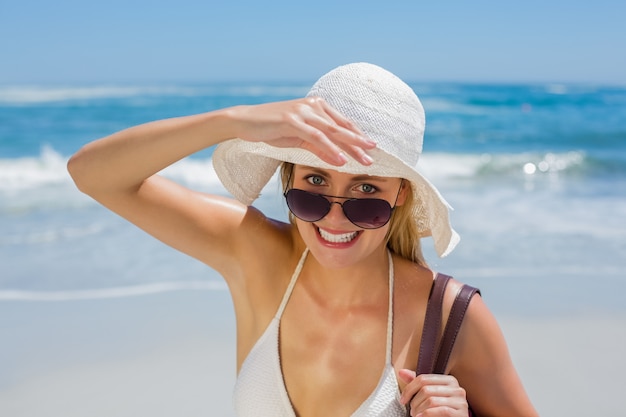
[[292, 283]]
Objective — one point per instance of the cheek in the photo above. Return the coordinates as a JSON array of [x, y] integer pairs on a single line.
[[372, 239], [305, 229], [381, 234]]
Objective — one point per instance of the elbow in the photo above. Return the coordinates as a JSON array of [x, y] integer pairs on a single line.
[[77, 168], [93, 176]]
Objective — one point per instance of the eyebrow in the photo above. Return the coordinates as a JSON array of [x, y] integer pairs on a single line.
[[362, 177]]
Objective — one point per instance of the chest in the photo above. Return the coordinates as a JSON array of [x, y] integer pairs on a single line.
[[322, 354], [340, 355]]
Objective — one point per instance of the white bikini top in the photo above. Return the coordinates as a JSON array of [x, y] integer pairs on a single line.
[[260, 388]]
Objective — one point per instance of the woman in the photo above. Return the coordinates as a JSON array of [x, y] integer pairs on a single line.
[[330, 307]]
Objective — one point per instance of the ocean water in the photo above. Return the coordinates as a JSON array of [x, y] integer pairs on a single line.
[[536, 174]]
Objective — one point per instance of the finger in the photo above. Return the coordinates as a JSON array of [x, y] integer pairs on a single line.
[[417, 386], [358, 154], [316, 142], [351, 143], [353, 135], [439, 412], [438, 406], [435, 398], [406, 375], [412, 387], [324, 137], [344, 122], [435, 406]]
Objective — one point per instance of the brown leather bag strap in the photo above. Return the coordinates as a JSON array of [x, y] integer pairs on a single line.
[[433, 358], [457, 313], [432, 325]]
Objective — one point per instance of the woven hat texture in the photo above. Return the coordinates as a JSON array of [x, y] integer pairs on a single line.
[[388, 111]]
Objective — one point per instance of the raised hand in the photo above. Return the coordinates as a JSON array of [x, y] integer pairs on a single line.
[[308, 123]]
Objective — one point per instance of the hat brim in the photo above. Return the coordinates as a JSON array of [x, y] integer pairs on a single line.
[[244, 168]]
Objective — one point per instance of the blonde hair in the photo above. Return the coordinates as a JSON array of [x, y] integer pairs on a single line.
[[402, 237]]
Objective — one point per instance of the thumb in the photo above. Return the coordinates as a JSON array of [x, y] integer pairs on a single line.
[[406, 375]]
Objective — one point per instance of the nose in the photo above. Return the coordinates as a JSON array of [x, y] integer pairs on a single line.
[[336, 214]]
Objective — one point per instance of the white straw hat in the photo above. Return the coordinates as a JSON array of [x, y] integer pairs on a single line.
[[387, 111]]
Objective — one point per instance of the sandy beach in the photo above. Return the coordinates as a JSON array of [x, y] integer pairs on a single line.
[[172, 354]]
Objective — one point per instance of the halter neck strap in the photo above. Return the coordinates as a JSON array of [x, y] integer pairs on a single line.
[[390, 311], [296, 274], [292, 283]]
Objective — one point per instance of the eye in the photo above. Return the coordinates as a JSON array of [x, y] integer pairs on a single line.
[[315, 180], [367, 188]]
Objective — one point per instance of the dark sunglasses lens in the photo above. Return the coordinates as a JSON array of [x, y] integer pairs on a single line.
[[307, 206], [368, 213]]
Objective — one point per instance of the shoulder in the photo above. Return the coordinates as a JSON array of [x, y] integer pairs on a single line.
[[477, 328], [262, 246], [453, 291], [412, 284], [415, 283], [414, 287], [480, 359], [254, 238], [265, 255], [266, 258]]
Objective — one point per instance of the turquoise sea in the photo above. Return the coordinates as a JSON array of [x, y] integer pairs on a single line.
[[536, 174]]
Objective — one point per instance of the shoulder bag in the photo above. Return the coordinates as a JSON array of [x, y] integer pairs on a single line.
[[435, 351]]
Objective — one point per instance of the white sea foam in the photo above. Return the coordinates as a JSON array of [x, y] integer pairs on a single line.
[[32, 172], [43, 181], [114, 292], [49, 168], [25, 95], [443, 166], [28, 183], [34, 94]]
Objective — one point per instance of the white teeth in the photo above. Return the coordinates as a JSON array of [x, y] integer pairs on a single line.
[[341, 238]]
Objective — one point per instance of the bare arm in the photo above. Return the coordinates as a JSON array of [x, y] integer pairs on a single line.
[[119, 170], [483, 366], [480, 372]]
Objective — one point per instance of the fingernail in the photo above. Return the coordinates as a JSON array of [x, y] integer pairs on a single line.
[[342, 158], [366, 159], [370, 142]]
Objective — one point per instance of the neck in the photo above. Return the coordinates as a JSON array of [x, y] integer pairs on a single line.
[[361, 283]]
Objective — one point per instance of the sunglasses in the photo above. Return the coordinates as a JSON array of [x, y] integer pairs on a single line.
[[366, 213]]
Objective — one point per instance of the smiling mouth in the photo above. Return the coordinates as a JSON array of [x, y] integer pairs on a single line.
[[337, 238]]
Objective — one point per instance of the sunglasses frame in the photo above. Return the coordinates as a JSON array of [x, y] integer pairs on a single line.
[[328, 198]]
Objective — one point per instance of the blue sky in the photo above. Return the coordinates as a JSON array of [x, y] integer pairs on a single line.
[[78, 41]]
